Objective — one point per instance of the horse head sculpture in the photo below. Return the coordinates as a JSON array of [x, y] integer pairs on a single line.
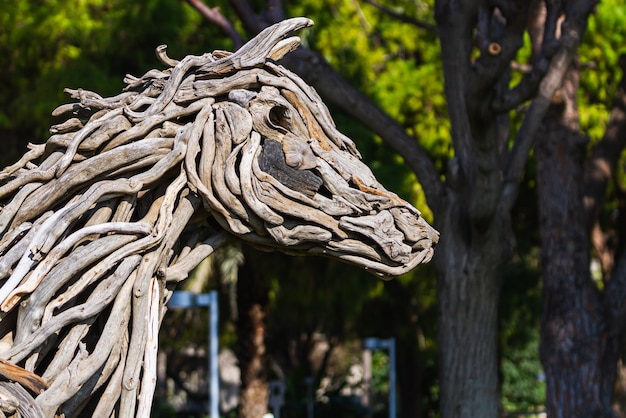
[[131, 192]]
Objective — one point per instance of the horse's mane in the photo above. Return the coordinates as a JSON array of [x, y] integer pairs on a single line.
[[133, 191]]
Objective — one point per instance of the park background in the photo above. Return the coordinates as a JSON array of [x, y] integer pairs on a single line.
[[315, 312]]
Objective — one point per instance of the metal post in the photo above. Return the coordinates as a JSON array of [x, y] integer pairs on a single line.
[[367, 381], [309, 396], [184, 299], [392, 377], [214, 356]]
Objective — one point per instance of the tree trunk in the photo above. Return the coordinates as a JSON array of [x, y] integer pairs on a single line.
[[575, 346], [410, 376], [572, 318], [410, 357], [251, 353], [601, 170], [476, 233], [468, 291]]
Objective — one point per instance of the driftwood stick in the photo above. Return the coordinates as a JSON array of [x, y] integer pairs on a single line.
[[43, 173], [15, 399], [67, 348], [72, 378], [44, 266], [35, 152], [179, 271], [108, 399], [148, 380]]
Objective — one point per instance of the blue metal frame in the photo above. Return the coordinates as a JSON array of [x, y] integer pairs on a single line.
[[182, 299]]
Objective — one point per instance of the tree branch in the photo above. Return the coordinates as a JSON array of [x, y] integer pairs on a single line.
[[400, 17], [454, 20], [500, 40], [542, 27], [214, 16], [252, 21], [572, 31], [525, 90], [525, 138], [274, 11]]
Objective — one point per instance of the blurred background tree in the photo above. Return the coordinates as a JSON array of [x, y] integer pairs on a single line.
[[317, 310]]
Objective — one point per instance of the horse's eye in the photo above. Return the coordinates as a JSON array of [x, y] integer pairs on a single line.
[[280, 118]]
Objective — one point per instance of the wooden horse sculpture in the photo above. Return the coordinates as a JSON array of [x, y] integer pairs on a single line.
[[133, 191]]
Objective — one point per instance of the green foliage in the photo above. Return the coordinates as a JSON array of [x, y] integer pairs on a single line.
[[523, 387], [380, 381], [604, 42], [519, 332], [47, 46]]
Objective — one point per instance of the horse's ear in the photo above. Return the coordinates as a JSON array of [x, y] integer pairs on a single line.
[[269, 43], [284, 47]]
